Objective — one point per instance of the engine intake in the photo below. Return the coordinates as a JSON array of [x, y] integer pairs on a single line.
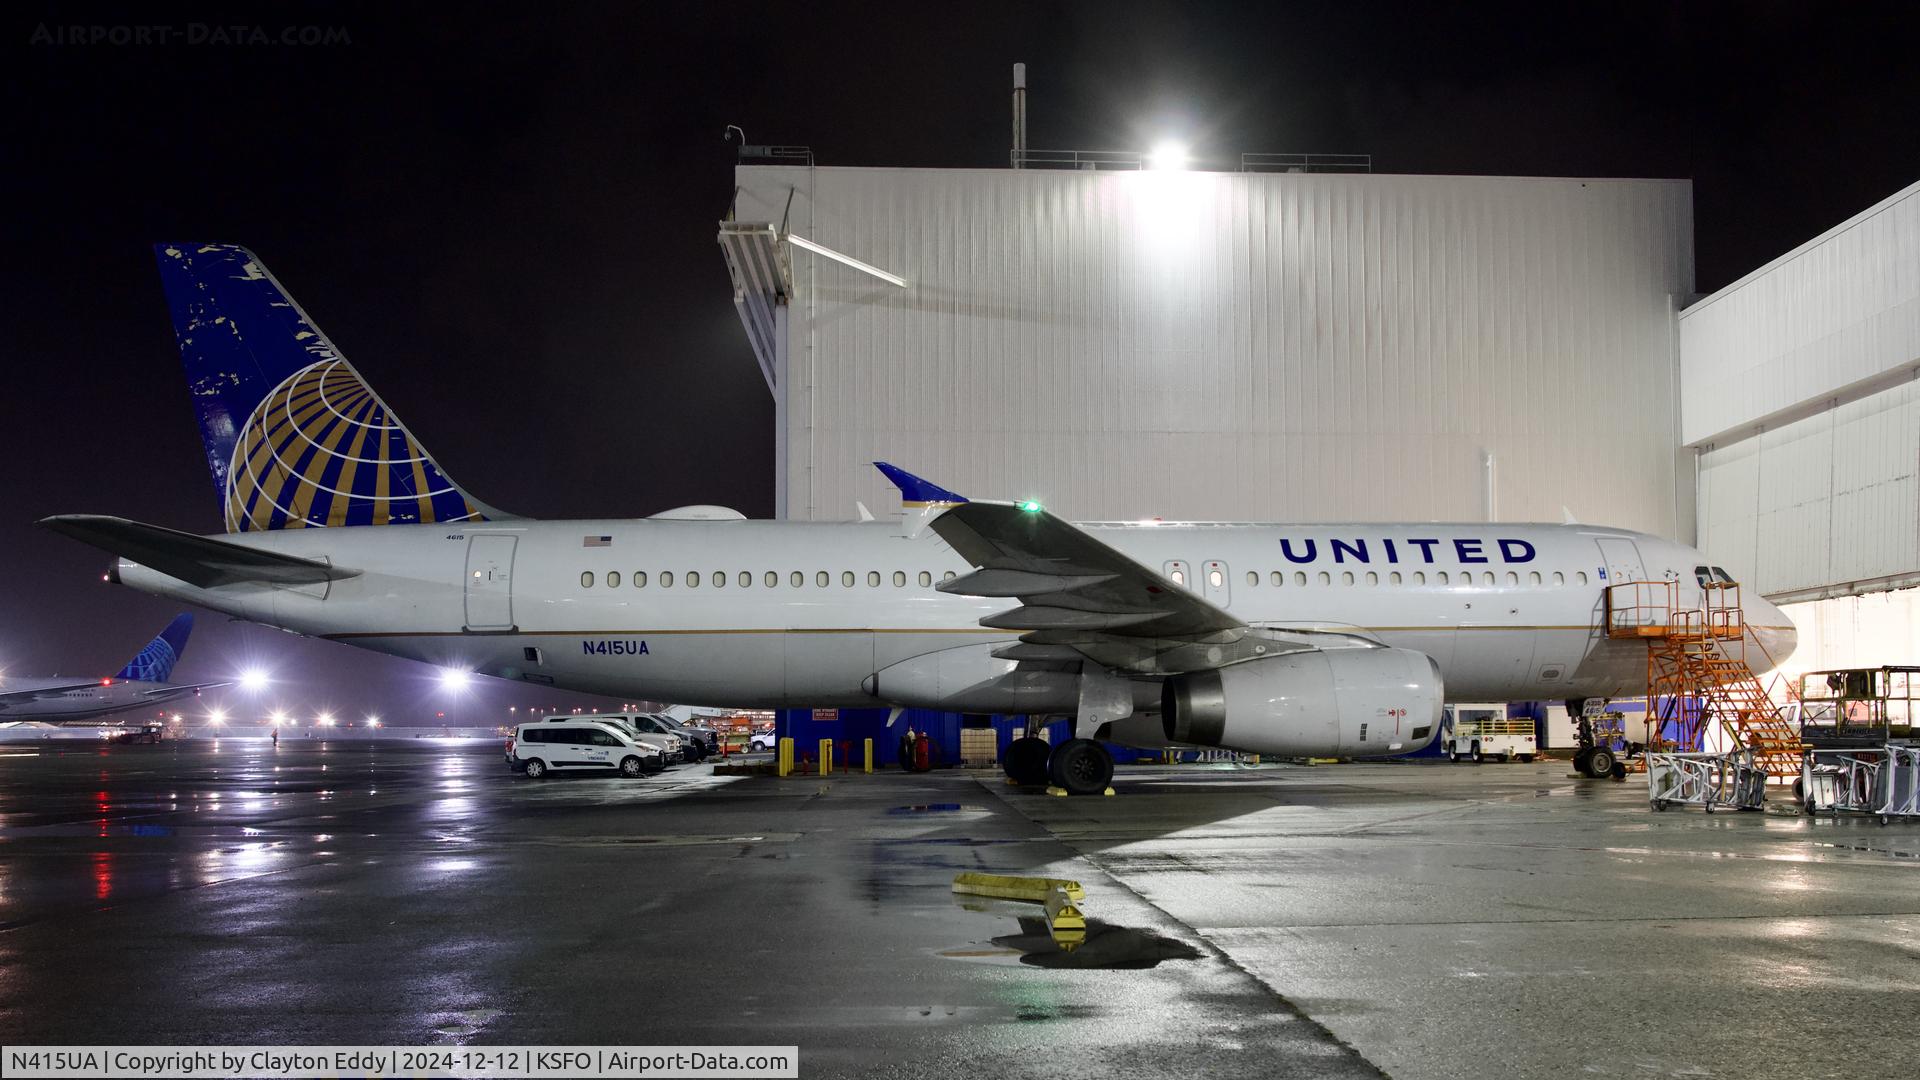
[[1324, 703]]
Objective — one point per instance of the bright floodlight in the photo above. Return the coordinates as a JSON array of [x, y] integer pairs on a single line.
[[217, 716], [1168, 155], [278, 717], [455, 678], [253, 679], [325, 719], [373, 721]]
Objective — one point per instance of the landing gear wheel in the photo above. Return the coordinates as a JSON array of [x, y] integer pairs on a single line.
[[534, 768], [1081, 767], [1026, 760], [1600, 762], [1581, 760]]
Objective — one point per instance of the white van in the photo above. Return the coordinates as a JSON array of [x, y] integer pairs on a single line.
[[576, 744]]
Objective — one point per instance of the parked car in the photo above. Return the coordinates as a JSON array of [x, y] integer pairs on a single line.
[[653, 725], [580, 744], [705, 738], [763, 740]]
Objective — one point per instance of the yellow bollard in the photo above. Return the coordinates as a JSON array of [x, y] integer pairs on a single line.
[[869, 755], [826, 756], [783, 759]]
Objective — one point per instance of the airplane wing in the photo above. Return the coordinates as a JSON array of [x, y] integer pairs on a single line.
[[39, 693], [196, 560], [1081, 598]]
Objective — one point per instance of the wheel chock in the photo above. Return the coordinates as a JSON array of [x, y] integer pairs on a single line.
[[1064, 922], [1034, 890], [1064, 793]]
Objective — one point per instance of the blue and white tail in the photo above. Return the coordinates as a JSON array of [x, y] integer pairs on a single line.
[[295, 437], [155, 662]]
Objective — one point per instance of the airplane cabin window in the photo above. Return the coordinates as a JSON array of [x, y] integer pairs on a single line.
[[873, 579], [846, 579], [639, 579], [1299, 577], [613, 579], [1394, 578], [1253, 577], [586, 579], [926, 579], [1533, 578], [948, 576], [666, 579], [1277, 578], [746, 578], [1513, 578], [1215, 578], [796, 579], [1487, 578], [820, 579], [1346, 577], [1441, 577], [693, 579], [1373, 578], [719, 579], [899, 579], [1179, 577], [1580, 578], [1559, 578], [771, 578], [1326, 578], [1419, 577]]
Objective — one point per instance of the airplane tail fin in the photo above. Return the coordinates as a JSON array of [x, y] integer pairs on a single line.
[[295, 437], [155, 662]]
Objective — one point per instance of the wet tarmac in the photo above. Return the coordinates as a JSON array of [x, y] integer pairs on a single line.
[[1426, 920], [388, 892]]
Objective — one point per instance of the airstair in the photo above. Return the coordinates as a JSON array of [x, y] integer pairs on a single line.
[[1698, 676]]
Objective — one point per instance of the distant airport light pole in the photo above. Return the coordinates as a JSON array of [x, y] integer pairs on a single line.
[[373, 721], [453, 678], [253, 679], [325, 720]]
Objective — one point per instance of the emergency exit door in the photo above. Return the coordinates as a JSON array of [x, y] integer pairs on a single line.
[[490, 581]]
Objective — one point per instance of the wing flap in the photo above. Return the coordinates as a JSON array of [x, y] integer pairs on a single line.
[[196, 560]]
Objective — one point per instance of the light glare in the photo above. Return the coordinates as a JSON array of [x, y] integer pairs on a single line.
[[1168, 154]]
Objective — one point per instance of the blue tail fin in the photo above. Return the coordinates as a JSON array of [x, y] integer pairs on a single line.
[[155, 662], [295, 437]]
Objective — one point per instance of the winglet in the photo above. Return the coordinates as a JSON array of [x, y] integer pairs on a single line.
[[920, 500], [915, 492]]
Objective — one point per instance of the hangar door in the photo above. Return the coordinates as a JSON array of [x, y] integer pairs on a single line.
[[490, 581]]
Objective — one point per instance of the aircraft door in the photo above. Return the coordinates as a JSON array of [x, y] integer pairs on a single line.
[[1216, 583], [1621, 560], [490, 581]]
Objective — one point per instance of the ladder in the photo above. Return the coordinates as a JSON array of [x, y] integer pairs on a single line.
[[1697, 663]]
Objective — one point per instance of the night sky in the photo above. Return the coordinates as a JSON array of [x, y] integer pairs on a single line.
[[504, 215]]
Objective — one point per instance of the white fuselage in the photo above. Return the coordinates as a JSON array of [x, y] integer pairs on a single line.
[[102, 697], [774, 614]]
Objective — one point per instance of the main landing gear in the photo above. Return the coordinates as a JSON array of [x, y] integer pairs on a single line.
[[1077, 766]]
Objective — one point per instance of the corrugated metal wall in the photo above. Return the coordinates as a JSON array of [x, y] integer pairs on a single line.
[[1208, 345], [1798, 391]]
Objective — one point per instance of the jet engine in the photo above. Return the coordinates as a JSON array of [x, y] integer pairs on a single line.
[[1323, 703]]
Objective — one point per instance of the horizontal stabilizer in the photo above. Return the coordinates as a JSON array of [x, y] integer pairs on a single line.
[[195, 560]]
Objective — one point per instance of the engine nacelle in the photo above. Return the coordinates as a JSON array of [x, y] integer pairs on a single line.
[[1325, 703]]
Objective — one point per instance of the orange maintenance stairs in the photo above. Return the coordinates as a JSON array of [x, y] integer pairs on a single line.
[[1697, 668]]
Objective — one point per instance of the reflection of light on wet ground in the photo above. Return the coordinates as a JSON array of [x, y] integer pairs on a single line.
[[455, 865], [455, 807], [102, 875]]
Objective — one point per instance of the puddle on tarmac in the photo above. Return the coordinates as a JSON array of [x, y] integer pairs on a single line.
[[1107, 948], [939, 808]]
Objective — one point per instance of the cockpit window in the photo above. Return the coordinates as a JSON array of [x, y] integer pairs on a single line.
[[1703, 575], [1722, 576]]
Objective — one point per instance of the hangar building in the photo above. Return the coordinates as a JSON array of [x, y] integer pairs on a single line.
[[1325, 346]]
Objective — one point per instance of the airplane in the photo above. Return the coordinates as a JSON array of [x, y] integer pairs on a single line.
[[1300, 640], [141, 683]]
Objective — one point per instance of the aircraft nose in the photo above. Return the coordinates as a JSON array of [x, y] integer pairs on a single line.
[[1772, 630]]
